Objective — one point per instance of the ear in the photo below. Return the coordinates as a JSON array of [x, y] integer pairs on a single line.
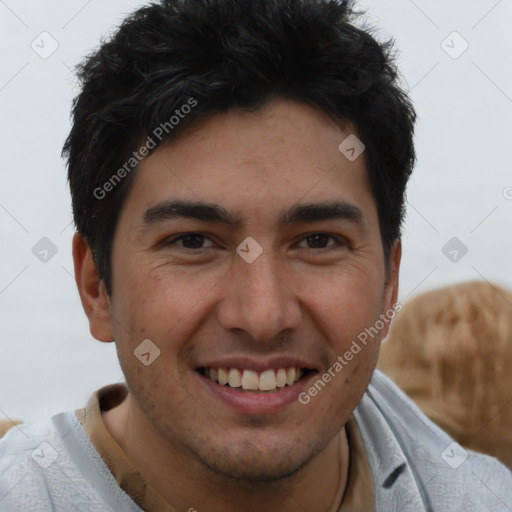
[[391, 285], [91, 288]]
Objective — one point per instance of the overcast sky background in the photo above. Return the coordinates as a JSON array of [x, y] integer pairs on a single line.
[[462, 185]]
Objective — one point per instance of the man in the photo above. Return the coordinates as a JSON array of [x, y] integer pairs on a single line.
[[237, 172]]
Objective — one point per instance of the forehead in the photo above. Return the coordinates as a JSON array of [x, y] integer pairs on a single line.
[[260, 161]]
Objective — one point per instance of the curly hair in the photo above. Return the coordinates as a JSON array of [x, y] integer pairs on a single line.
[[450, 350], [232, 54]]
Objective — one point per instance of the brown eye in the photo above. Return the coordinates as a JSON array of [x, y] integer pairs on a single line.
[[191, 241], [318, 241]]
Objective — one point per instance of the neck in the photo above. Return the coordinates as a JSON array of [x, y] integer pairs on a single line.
[[188, 484]]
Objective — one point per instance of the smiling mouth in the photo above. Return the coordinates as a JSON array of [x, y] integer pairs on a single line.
[[268, 381]]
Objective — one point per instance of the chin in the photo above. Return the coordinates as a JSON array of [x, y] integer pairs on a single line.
[[252, 467]]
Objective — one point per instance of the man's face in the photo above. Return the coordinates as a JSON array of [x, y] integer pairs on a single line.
[[275, 176]]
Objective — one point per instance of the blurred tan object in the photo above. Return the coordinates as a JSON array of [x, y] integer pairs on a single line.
[[450, 350], [6, 425]]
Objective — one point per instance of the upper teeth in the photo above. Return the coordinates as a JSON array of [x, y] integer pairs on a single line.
[[251, 380]]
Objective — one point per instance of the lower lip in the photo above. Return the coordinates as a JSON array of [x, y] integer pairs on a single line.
[[257, 403]]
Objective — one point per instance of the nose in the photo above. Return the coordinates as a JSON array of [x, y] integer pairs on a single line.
[[259, 301]]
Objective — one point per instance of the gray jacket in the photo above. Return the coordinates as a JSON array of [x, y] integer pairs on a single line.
[[51, 465], [417, 467]]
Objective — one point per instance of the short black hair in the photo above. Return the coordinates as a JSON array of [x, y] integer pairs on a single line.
[[216, 55]]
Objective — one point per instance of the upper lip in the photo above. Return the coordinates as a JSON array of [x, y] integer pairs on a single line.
[[256, 365]]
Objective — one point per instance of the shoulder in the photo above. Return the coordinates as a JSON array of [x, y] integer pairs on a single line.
[[51, 465], [19, 446], [412, 457], [26, 453]]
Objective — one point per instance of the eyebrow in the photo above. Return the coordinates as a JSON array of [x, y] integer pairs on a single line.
[[168, 210], [322, 211], [313, 212]]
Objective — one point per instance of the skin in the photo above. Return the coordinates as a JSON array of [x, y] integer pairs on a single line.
[[200, 301]]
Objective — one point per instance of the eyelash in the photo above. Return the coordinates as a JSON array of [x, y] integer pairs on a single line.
[[177, 238], [339, 242]]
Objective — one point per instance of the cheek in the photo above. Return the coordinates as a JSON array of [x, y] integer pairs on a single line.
[[162, 305], [346, 304]]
